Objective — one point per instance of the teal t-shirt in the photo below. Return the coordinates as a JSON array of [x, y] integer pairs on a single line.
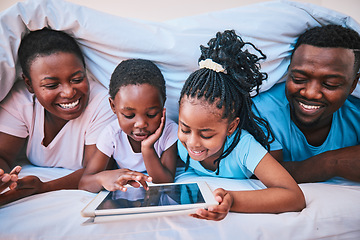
[[239, 164], [273, 106]]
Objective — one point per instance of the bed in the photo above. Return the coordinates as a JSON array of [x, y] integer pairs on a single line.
[[333, 207]]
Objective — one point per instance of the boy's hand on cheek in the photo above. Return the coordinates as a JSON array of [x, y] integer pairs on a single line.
[[149, 142], [218, 212]]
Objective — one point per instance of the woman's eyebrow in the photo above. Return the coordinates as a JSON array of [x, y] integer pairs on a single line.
[[56, 78]]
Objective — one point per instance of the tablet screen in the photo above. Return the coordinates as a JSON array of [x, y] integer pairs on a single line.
[[163, 195]]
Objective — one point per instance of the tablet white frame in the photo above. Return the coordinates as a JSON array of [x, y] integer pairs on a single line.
[[90, 209]]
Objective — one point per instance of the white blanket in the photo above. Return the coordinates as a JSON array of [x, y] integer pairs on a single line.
[[333, 208], [332, 212]]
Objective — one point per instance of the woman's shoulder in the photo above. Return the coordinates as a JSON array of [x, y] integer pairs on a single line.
[[18, 99], [97, 90], [19, 93], [98, 113], [98, 99]]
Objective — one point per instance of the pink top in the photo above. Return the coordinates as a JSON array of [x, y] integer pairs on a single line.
[[22, 115]]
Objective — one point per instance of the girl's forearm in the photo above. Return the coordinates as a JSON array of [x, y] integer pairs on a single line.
[[270, 200]]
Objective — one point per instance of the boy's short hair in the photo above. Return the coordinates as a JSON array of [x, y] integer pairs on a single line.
[[136, 72]]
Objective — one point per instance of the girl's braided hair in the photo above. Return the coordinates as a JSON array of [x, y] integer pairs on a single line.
[[232, 89]]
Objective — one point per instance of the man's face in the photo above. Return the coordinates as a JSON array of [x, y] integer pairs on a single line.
[[319, 81]]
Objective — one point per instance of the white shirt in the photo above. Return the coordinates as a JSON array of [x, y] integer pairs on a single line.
[[114, 142], [21, 115]]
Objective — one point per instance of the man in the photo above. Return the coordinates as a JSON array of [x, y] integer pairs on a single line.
[[314, 119]]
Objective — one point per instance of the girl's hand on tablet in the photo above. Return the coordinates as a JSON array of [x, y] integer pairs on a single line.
[[117, 179], [218, 212]]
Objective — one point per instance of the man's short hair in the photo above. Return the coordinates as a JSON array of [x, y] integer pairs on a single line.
[[332, 36]]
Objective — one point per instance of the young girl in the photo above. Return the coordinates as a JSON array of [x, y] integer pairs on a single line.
[[220, 136], [56, 111], [140, 140]]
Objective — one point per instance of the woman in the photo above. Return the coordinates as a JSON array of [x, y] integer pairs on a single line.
[[56, 111]]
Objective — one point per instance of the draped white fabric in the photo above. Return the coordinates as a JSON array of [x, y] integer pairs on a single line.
[[172, 45]]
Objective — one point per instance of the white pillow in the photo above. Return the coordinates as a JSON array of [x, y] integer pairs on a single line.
[[173, 45]]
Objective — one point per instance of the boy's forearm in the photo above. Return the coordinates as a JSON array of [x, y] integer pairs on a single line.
[[91, 183]]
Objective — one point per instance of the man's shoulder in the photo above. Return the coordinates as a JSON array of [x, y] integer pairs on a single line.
[[352, 102], [350, 109], [275, 96], [272, 102]]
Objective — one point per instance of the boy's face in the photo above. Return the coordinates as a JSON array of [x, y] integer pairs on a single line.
[[139, 110], [60, 84], [319, 81]]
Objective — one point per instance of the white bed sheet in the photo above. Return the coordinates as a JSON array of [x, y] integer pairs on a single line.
[[333, 208], [332, 212]]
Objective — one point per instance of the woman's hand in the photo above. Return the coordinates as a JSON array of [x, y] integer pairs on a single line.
[[26, 186], [9, 179], [116, 179], [218, 212]]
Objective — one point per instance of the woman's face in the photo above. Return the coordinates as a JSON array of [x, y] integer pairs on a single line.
[[202, 130], [60, 84]]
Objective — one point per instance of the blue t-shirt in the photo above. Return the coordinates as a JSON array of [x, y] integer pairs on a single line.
[[239, 164], [273, 106]]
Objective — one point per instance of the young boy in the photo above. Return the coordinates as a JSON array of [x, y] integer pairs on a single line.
[[140, 140]]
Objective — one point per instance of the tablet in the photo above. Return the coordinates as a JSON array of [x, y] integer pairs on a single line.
[[160, 199]]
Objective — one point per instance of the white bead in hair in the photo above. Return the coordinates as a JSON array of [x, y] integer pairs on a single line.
[[210, 64]]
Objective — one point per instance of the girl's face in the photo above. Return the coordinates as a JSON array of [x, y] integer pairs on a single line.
[[139, 109], [60, 84], [202, 130]]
